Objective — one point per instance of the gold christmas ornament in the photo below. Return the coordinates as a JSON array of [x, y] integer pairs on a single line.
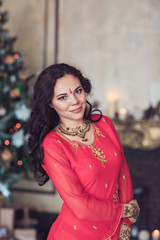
[[2, 111], [15, 93], [9, 59], [6, 155]]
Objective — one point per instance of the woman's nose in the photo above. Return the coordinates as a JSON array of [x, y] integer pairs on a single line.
[[74, 99]]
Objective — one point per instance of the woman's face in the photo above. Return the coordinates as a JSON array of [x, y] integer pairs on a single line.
[[69, 100]]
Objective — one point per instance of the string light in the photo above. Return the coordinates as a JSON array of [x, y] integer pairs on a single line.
[[6, 142], [11, 130], [16, 56], [15, 128], [20, 162], [18, 125]]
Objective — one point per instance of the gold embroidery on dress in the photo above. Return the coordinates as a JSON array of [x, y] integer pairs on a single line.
[[95, 227], [116, 195], [74, 144], [90, 166], [97, 152], [98, 132]]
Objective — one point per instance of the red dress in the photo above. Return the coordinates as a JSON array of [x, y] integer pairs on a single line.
[[93, 181]]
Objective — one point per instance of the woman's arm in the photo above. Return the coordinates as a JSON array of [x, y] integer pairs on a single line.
[[125, 232], [131, 208]]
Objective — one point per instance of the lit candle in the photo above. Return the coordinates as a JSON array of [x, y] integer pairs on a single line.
[[112, 102], [155, 234], [122, 113]]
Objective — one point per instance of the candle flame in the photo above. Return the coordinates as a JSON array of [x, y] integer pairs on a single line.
[[155, 233], [112, 97], [123, 111]]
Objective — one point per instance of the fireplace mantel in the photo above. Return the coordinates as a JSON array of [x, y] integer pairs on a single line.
[[139, 134]]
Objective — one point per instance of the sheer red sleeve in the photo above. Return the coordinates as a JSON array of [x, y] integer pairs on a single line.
[[125, 187], [68, 185], [125, 183]]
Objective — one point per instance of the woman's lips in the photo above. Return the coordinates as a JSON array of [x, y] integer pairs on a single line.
[[77, 110]]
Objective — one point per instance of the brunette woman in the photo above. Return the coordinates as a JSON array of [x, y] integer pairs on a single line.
[[82, 154]]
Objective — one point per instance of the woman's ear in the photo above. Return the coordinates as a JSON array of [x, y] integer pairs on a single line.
[[51, 105]]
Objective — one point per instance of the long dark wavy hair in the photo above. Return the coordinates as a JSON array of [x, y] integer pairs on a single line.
[[44, 118]]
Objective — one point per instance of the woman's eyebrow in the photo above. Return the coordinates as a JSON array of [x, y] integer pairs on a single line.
[[61, 94], [78, 87]]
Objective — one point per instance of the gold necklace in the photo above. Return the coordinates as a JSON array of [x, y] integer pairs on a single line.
[[78, 131]]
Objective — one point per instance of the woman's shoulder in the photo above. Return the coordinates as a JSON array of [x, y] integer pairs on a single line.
[[104, 123], [102, 119], [107, 126], [51, 139]]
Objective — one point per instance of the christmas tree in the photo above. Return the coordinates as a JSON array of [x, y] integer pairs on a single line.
[[15, 103]]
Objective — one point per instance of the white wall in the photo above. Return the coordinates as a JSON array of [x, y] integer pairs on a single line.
[[117, 44]]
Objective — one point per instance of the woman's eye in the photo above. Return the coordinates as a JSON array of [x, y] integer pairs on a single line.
[[62, 98], [79, 90]]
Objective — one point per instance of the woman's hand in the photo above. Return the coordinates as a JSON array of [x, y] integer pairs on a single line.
[[135, 209], [124, 232], [131, 210]]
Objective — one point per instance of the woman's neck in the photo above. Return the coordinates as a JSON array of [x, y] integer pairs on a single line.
[[72, 123]]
